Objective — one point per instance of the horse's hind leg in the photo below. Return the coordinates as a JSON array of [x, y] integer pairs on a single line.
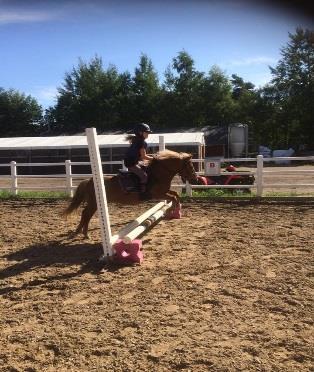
[[79, 228], [86, 216]]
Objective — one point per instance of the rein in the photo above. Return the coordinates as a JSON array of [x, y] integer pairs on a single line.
[[171, 172]]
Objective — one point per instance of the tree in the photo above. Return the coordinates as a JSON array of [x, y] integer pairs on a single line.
[[217, 102], [240, 87], [104, 99], [248, 107], [262, 118], [293, 87], [20, 115], [124, 101], [180, 105], [87, 97], [146, 91]]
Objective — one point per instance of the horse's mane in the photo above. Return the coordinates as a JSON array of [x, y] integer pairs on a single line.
[[168, 154]]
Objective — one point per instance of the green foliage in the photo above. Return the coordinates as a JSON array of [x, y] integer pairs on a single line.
[[217, 193], [146, 92], [87, 97], [103, 98], [182, 101], [245, 100], [292, 90], [5, 194], [20, 115], [217, 103]]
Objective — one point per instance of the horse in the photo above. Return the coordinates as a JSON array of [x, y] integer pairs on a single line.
[[161, 171]]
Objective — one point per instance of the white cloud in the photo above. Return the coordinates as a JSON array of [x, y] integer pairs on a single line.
[[47, 93], [259, 80], [262, 60], [7, 17]]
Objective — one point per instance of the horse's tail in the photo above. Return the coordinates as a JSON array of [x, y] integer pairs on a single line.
[[77, 199]]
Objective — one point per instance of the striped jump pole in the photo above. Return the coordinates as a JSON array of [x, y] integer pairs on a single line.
[[135, 223], [128, 238]]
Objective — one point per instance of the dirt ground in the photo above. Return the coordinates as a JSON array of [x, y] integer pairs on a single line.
[[229, 287]]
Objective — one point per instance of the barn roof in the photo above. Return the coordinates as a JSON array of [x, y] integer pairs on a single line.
[[104, 140]]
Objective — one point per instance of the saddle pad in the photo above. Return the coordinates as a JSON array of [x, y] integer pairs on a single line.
[[128, 181]]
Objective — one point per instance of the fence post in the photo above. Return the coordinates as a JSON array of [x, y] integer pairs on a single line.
[[259, 175], [68, 172], [162, 145], [188, 189], [13, 178]]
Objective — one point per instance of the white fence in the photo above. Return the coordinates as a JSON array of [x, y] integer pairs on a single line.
[[68, 175], [259, 171]]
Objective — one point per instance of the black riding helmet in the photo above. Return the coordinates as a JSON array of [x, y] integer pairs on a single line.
[[142, 127]]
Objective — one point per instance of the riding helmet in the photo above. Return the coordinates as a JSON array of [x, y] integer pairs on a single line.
[[142, 127]]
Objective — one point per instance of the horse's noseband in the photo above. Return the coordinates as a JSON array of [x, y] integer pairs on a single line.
[[184, 173]]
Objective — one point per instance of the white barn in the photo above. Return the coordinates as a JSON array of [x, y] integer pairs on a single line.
[[74, 148]]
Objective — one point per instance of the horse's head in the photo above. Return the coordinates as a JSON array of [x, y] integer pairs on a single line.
[[169, 163], [187, 172]]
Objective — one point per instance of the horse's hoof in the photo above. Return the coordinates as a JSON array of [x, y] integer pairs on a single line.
[[72, 234]]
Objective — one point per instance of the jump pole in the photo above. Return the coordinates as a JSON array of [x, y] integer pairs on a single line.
[[100, 192], [135, 223], [134, 233]]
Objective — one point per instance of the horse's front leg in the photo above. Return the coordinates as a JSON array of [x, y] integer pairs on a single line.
[[164, 193], [175, 195], [175, 210]]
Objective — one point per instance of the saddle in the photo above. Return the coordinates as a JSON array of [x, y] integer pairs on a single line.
[[128, 181]]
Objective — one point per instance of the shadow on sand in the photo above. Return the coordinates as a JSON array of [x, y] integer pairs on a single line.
[[76, 256]]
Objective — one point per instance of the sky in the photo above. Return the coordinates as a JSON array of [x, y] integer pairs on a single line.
[[42, 40]]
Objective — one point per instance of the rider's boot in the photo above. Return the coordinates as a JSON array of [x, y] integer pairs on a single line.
[[142, 187]]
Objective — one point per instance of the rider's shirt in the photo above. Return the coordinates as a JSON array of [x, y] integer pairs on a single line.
[[133, 155]]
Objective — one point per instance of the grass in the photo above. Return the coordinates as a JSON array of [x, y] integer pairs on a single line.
[[288, 194], [5, 194], [210, 193]]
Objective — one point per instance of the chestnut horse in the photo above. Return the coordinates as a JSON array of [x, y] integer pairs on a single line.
[[161, 170]]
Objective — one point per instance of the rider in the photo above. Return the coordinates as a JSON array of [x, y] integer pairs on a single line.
[[136, 153]]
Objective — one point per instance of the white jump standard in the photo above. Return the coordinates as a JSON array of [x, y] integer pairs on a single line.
[[122, 247]]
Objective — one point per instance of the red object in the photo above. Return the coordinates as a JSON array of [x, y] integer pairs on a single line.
[[231, 168], [202, 180], [128, 253], [173, 214], [226, 179]]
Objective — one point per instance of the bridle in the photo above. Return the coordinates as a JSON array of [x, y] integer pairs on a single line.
[[185, 173]]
